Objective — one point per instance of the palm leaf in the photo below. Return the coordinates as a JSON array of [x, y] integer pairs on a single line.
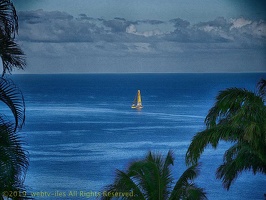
[[123, 183], [151, 179], [210, 136], [148, 176], [238, 158], [190, 174], [13, 98], [8, 19], [13, 160], [193, 192], [160, 167], [11, 54], [262, 88], [238, 116], [185, 188], [228, 102], [141, 176], [167, 177]]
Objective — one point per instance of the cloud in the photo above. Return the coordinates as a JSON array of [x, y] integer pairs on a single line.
[[117, 25], [131, 29], [40, 16], [240, 22], [153, 22], [255, 29], [207, 32], [57, 37], [238, 32], [42, 26], [180, 23]]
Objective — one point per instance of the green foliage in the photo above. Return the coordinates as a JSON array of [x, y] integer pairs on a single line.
[[13, 98], [238, 158], [151, 179], [238, 116], [8, 19], [262, 88], [10, 52], [13, 158]]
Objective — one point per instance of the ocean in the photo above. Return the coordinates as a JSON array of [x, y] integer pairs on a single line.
[[80, 128]]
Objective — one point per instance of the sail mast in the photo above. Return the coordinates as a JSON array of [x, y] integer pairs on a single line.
[[139, 98]]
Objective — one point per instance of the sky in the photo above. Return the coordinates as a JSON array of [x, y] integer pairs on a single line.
[[142, 36]]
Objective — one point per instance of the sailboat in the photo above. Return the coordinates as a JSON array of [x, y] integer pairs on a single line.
[[137, 101]]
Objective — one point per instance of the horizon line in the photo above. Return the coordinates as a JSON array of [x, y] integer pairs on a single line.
[[78, 73]]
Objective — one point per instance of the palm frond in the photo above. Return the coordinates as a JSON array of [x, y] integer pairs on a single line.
[[148, 175], [123, 183], [240, 157], [12, 55], [238, 116], [261, 86], [151, 178], [194, 192], [167, 177], [141, 174], [13, 98], [210, 136], [8, 18], [228, 102], [185, 188], [187, 176], [13, 159], [158, 170]]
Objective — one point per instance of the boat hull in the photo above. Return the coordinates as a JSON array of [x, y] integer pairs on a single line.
[[136, 107]]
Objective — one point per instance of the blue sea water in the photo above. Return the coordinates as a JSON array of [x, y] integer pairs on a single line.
[[80, 128]]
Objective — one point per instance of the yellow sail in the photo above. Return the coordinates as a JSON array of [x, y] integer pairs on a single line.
[[137, 101], [139, 98]]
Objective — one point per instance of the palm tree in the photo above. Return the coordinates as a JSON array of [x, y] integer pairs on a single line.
[[239, 117], [151, 179], [14, 163], [10, 52], [13, 159]]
